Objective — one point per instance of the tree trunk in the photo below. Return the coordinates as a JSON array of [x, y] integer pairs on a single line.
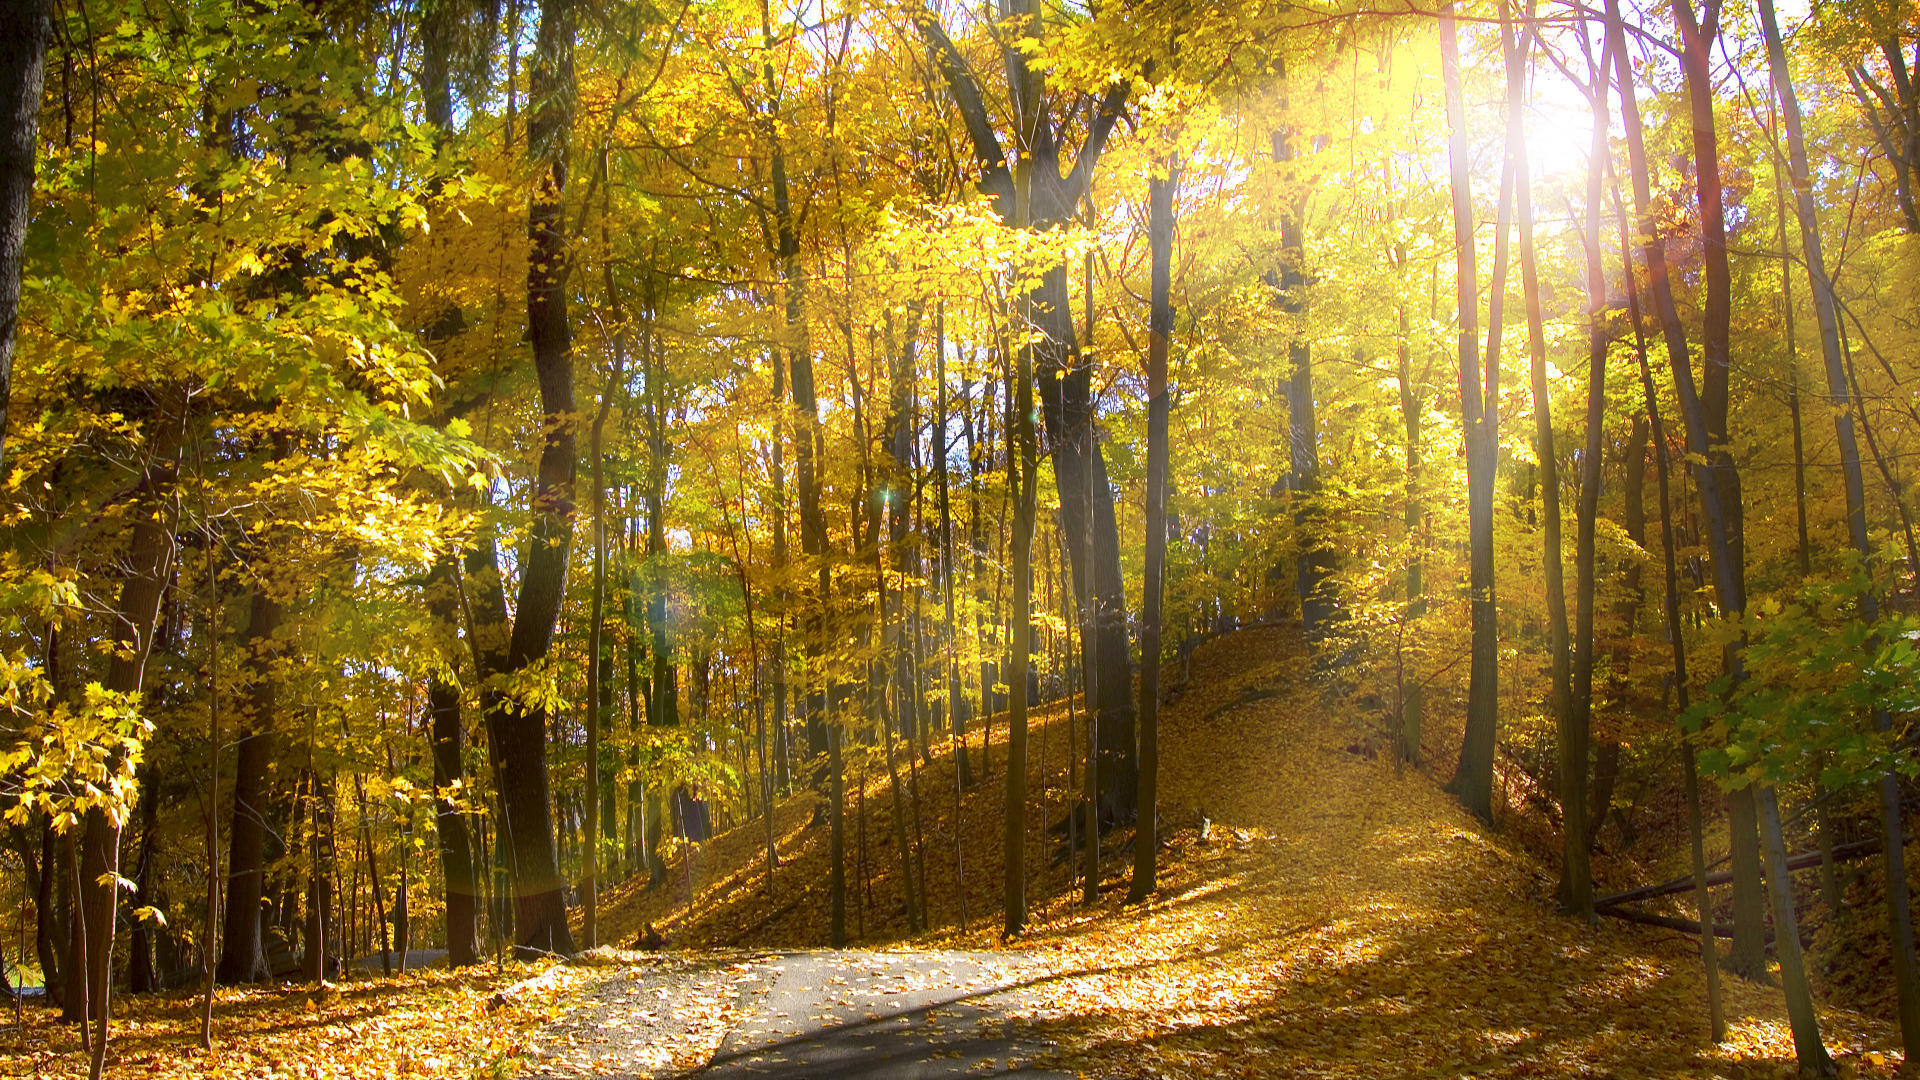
[[243, 951], [24, 28], [1313, 565], [149, 563], [1576, 879], [140, 974], [517, 730], [1160, 210], [1062, 373], [1472, 782], [1410, 690], [1807, 1047], [1748, 956], [1022, 457], [1702, 894], [1729, 574], [1844, 404], [320, 925], [456, 849], [598, 692]]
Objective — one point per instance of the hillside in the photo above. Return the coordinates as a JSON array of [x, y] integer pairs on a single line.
[[1346, 918]]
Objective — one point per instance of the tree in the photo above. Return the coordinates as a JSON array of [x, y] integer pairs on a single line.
[[24, 29], [1472, 782], [517, 727], [1062, 372], [1845, 407], [1729, 582], [1576, 882]]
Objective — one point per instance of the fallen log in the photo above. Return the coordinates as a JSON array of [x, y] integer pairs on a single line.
[[1685, 926], [1842, 853]]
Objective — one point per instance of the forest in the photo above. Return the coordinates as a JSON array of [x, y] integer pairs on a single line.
[[1061, 508]]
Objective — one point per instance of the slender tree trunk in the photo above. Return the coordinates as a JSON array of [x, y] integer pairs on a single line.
[[518, 731], [1576, 879], [438, 29], [1729, 575], [42, 880], [1160, 210], [24, 28], [456, 849], [1702, 895], [1844, 406], [376, 892], [1410, 688], [665, 712], [1748, 956], [243, 956], [1807, 1047], [1313, 565], [1472, 782], [977, 454], [210, 923], [1696, 44], [149, 562], [1803, 548], [598, 695], [1021, 454], [140, 975], [956, 689]]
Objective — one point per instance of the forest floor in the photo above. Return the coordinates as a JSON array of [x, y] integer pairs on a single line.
[[1344, 919]]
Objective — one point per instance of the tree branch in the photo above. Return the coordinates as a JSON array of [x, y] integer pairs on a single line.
[[1112, 104], [995, 178]]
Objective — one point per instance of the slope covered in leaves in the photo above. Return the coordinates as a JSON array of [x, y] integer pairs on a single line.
[[1344, 918], [1351, 920]]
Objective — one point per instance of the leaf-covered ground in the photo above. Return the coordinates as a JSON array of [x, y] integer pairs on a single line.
[[1344, 919], [434, 1023], [1352, 922]]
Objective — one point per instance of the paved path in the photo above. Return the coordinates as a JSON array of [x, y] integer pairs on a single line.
[[902, 1016]]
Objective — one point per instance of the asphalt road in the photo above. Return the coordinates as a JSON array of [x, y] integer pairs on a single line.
[[902, 1016]]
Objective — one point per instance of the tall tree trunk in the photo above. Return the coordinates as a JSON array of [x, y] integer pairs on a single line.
[[149, 563], [517, 730], [1410, 689], [1729, 574], [1313, 566], [455, 847], [665, 712], [1576, 879], [1803, 548], [1702, 896], [956, 690], [42, 877], [319, 940], [1063, 375], [243, 951], [979, 451], [24, 28], [1472, 782], [1748, 958], [1022, 459], [438, 29], [140, 974], [1844, 405], [598, 693], [1160, 210]]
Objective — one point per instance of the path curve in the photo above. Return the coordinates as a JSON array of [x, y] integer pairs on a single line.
[[900, 1015]]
